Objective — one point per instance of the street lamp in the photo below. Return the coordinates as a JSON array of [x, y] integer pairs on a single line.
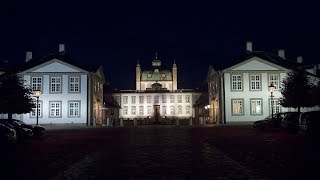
[[271, 89], [37, 93]]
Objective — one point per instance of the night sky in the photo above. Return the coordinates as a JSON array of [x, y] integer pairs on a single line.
[[194, 33]]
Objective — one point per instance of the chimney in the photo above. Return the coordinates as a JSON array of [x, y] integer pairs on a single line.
[[281, 53], [249, 46], [300, 59], [28, 55], [62, 48]]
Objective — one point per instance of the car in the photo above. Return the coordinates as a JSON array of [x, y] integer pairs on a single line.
[[269, 122], [37, 130], [309, 122], [7, 134], [290, 122]]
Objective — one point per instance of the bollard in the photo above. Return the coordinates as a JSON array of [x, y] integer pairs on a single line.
[[190, 121], [177, 122], [121, 122]]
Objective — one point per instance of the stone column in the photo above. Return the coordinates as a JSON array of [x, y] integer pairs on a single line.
[[190, 121]]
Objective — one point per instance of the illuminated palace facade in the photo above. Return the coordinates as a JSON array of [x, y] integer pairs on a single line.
[[156, 95]]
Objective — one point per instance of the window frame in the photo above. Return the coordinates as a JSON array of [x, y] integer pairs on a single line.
[[251, 107], [50, 85], [241, 82], [255, 81], [32, 84], [40, 108], [50, 109], [278, 84], [69, 84], [232, 106], [79, 108]]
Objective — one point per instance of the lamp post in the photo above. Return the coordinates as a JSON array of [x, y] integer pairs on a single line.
[[271, 89], [37, 93]]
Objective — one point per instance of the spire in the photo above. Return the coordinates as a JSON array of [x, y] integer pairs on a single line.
[[156, 55], [174, 63], [138, 64]]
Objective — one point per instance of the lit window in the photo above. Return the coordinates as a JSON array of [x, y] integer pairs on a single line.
[[179, 98], [164, 98], [172, 110], [34, 110], [171, 98], [188, 110], [237, 107], [148, 99], [55, 84], [187, 98], [274, 78], [156, 99], [133, 110], [275, 103], [36, 83], [256, 107], [74, 84], [55, 109], [236, 82], [149, 110], [255, 82], [133, 99], [141, 99], [125, 110], [141, 110], [164, 110], [179, 109], [74, 108], [125, 99]]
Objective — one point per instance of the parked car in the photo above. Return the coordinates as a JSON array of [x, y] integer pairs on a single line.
[[290, 122], [309, 122], [37, 130], [269, 122], [22, 133], [7, 134]]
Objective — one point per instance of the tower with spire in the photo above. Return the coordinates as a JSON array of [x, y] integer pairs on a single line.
[[138, 76], [174, 76], [157, 75]]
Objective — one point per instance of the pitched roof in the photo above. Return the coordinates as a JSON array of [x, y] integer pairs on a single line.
[[286, 63], [62, 56]]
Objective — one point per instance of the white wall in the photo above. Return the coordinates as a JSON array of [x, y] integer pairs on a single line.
[[246, 95], [145, 104], [64, 97]]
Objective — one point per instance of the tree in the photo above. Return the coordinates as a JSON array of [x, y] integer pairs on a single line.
[[15, 96], [296, 90]]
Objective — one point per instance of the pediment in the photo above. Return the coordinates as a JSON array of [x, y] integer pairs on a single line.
[[55, 65], [256, 64]]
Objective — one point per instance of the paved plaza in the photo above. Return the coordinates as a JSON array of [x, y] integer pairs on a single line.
[[162, 152]]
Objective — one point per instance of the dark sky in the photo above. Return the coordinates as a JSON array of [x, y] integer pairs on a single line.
[[194, 33]]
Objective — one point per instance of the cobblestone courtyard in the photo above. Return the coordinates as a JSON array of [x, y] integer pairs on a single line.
[[163, 152]]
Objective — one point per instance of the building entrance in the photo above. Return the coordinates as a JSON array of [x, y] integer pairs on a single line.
[[156, 111]]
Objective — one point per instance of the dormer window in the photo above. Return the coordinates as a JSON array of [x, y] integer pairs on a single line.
[[163, 75], [149, 75], [156, 70]]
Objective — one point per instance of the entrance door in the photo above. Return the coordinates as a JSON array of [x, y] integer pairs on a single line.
[[156, 111]]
